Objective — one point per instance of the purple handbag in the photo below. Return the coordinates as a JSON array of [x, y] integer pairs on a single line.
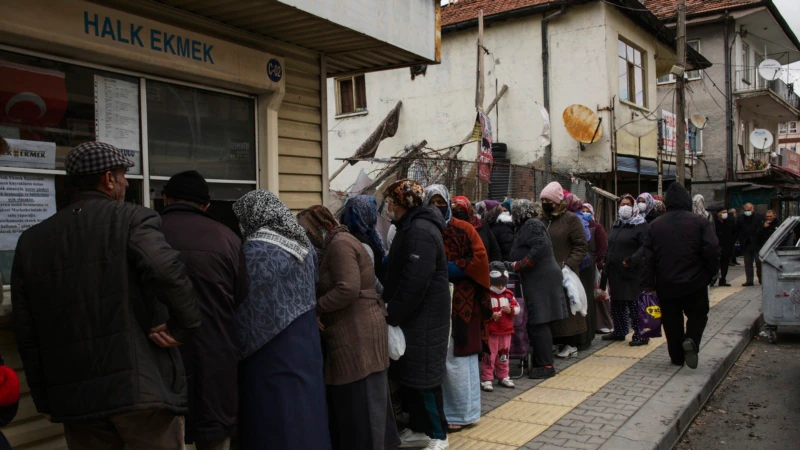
[[649, 315]]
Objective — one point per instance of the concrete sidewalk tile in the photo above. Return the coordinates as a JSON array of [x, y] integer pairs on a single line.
[[557, 397], [574, 383], [503, 431], [537, 413]]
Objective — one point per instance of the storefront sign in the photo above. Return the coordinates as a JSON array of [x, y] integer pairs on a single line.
[[116, 112], [25, 200], [791, 160], [670, 132], [28, 154]]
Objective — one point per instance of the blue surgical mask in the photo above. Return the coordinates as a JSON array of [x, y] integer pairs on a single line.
[[587, 216]]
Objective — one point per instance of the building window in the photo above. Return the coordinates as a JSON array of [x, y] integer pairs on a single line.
[[351, 94], [792, 127], [695, 137], [746, 76], [689, 75], [631, 74], [783, 128]]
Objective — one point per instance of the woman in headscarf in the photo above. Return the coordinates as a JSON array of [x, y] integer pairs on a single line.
[[624, 260], [281, 388], [699, 207], [354, 335], [462, 210], [587, 274], [646, 204], [570, 249], [532, 257], [468, 268], [598, 244], [360, 216], [502, 226]]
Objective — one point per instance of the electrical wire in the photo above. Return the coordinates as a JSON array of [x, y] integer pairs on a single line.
[[648, 115]]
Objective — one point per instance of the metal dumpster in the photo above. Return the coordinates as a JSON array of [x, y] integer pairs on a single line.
[[781, 280]]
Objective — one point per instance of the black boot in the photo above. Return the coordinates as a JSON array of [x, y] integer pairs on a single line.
[[542, 372], [723, 283]]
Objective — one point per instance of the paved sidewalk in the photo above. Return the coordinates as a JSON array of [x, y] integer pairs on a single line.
[[614, 396]]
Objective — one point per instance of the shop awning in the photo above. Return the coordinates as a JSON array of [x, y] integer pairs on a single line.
[[649, 168]]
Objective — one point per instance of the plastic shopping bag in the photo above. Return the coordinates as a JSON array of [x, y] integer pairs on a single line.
[[577, 295], [397, 343], [649, 312]]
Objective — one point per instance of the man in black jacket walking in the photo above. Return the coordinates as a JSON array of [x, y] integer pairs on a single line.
[[101, 301], [681, 255], [214, 260], [748, 227], [725, 228]]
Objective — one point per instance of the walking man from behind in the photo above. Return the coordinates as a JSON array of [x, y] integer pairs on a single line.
[[681, 255], [749, 226], [213, 257], [101, 300]]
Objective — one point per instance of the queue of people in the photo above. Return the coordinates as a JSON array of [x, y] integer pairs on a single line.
[[128, 321]]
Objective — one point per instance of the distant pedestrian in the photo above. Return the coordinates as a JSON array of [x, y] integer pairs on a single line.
[[725, 228], [281, 387], [502, 226], [646, 205], [732, 215], [215, 263], [532, 258], [418, 295], [749, 226], [699, 208], [89, 286], [499, 329], [771, 223], [681, 255]]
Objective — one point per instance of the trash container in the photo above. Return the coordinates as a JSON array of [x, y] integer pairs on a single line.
[[781, 280]]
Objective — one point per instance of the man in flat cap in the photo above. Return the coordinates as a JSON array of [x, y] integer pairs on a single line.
[[214, 260], [101, 300]]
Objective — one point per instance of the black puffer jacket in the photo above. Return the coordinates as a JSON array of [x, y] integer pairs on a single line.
[[490, 242], [625, 244], [681, 251], [503, 230], [86, 287], [418, 293]]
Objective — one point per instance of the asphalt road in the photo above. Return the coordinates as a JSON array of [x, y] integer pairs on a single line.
[[758, 405]]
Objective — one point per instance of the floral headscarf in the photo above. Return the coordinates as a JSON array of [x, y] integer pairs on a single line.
[[523, 210], [439, 189], [574, 204], [649, 200], [659, 206], [264, 217], [699, 206], [360, 216], [464, 203], [636, 218], [406, 193], [320, 226]]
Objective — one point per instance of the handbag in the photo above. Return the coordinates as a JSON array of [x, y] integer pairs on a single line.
[[649, 312]]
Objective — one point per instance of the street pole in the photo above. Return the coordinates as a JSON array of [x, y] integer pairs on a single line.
[[680, 86], [479, 101]]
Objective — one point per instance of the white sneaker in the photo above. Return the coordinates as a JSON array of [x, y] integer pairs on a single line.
[[507, 382], [556, 349], [437, 444], [487, 386], [604, 330], [567, 352], [410, 439]]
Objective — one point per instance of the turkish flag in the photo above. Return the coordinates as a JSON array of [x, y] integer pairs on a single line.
[[30, 96]]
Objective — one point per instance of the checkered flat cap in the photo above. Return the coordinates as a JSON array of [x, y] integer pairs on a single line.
[[95, 157]]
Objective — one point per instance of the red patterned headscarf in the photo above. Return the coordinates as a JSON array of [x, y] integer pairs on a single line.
[[464, 203]]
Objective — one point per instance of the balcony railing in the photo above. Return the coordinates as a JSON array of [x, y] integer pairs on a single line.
[[749, 80], [754, 160]]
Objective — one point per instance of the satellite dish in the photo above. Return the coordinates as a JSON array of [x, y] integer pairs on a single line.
[[583, 124], [770, 69], [761, 138], [699, 121]]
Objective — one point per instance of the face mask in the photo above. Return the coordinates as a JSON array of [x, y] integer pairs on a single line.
[[587, 216], [504, 217], [443, 210], [548, 207], [390, 213], [724, 216], [498, 289], [461, 215], [642, 207], [748, 213], [625, 212]]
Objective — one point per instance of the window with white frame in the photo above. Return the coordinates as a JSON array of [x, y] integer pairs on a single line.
[[783, 128], [49, 106], [632, 81], [792, 127], [351, 95], [689, 74], [695, 137]]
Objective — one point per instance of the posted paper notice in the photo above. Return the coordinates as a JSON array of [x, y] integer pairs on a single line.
[[25, 200], [29, 154], [116, 109]]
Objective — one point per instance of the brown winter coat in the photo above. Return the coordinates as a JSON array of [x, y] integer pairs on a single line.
[[354, 316], [569, 248]]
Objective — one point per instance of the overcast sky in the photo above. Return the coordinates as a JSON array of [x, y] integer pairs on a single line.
[[790, 10]]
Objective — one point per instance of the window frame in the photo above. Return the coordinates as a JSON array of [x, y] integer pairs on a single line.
[[792, 126], [671, 78], [783, 128], [631, 74], [352, 78], [745, 56]]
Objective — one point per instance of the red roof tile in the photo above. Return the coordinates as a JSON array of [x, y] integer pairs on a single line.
[[667, 9], [465, 10]]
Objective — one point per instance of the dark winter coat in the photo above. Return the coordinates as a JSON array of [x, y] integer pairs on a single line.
[[681, 251], [504, 234], [748, 228], [213, 257], [726, 234], [764, 233], [625, 244], [489, 242], [87, 286], [542, 288], [417, 291]]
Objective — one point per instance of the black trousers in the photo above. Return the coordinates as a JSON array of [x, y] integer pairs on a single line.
[[695, 307], [751, 256], [425, 410], [541, 344], [725, 259]]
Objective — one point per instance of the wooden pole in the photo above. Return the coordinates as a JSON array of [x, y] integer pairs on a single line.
[[680, 142], [479, 100]]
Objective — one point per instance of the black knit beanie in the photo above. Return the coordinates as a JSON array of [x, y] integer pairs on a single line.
[[498, 275], [189, 186]]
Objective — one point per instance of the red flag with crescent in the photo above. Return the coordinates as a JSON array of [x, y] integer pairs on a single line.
[[31, 96]]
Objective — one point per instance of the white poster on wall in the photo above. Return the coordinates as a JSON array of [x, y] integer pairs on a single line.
[[28, 154], [25, 200], [116, 112]]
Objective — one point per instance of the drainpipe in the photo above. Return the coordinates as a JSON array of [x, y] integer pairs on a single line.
[[728, 104], [548, 151]]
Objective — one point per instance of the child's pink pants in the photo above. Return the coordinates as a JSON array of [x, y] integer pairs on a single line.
[[496, 361]]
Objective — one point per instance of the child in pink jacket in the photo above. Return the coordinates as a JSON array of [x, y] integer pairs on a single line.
[[499, 329]]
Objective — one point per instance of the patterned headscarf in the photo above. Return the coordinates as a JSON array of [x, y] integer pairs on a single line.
[[659, 198], [523, 210], [699, 206], [574, 204], [361, 217], [264, 217], [491, 215], [439, 189], [636, 218], [649, 200], [320, 226], [406, 193], [465, 203], [485, 206], [659, 206]]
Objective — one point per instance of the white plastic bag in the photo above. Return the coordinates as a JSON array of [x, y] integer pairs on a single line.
[[397, 343], [577, 295]]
